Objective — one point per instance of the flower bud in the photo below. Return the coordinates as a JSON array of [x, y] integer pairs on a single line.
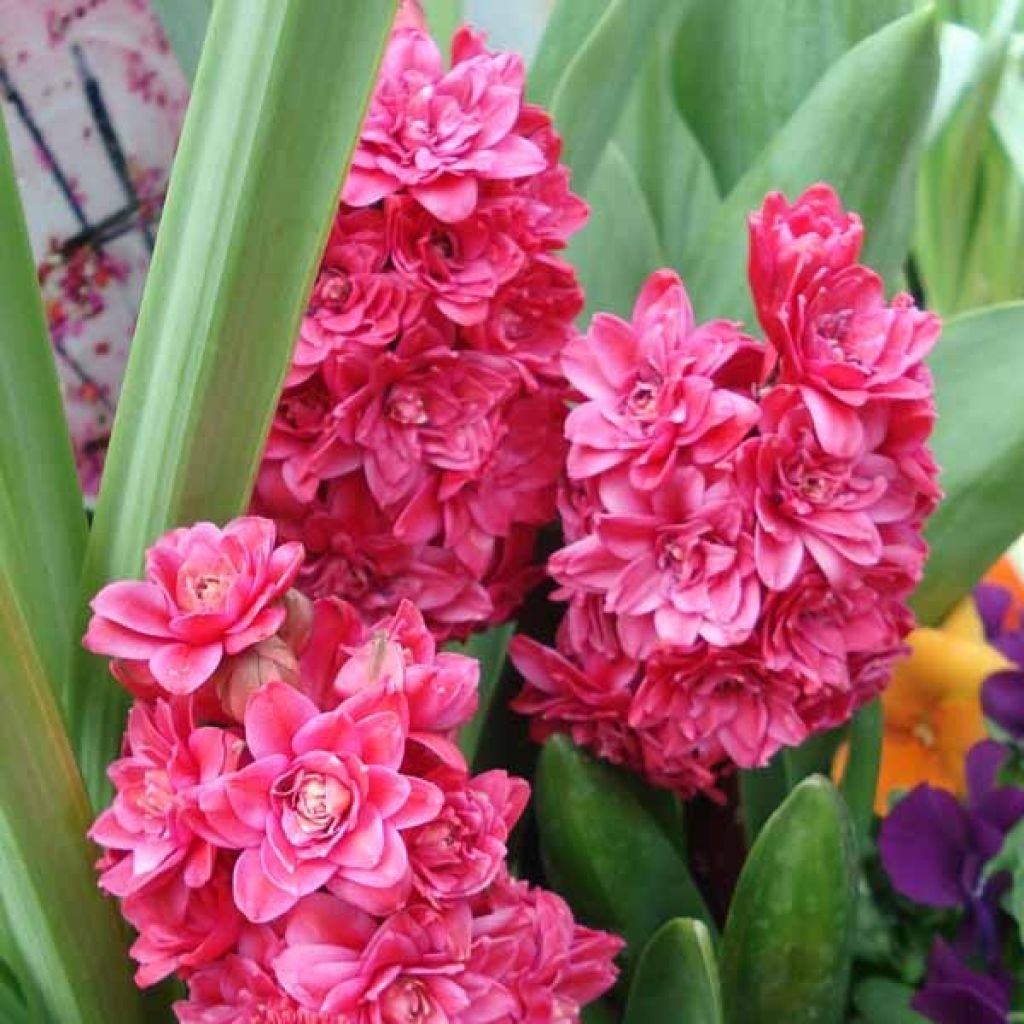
[[298, 623], [244, 674]]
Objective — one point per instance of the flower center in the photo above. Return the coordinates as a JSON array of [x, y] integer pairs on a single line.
[[204, 589], [334, 289], [642, 401], [319, 801], [441, 242], [406, 1002], [834, 330], [155, 797], [924, 734], [405, 406]]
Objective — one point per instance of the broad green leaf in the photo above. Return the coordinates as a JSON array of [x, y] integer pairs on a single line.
[[669, 165], [43, 541], [742, 67], [599, 1013], [185, 23], [490, 649], [860, 777], [278, 101], [619, 247], [860, 130], [605, 851], [979, 445], [568, 28], [676, 978], [959, 49], [593, 87], [950, 172], [787, 944], [443, 18], [1010, 859], [884, 1001], [812, 757]]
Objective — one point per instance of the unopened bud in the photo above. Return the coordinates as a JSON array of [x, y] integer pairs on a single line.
[[242, 675]]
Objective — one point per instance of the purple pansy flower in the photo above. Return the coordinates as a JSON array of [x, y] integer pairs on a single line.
[[956, 994]]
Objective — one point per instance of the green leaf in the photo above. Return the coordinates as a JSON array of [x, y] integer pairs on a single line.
[[443, 18], [949, 178], [1010, 859], [569, 26], [594, 84], [812, 757], [619, 247], [979, 445], [598, 1013], [491, 650], [676, 978], [860, 779], [666, 158], [48, 887], [884, 1001], [860, 130], [787, 943], [743, 67], [43, 540], [605, 851], [275, 113], [185, 23]]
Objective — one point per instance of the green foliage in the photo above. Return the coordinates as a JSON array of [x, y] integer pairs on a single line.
[[587, 92], [979, 443], [860, 129], [952, 182], [1011, 859], [787, 943], [860, 778], [277, 106], [46, 875], [606, 849], [490, 648], [884, 1001], [743, 67], [676, 978]]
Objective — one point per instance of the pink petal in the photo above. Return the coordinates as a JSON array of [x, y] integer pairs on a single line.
[[423, 805], [139, 607], [106, 637], [181, 669], [272, 717], [255, 895], [450, 197]]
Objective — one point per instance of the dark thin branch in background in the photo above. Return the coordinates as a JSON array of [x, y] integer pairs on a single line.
[[111, 143], [25, 116]]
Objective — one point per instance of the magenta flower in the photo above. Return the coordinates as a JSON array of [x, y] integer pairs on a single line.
[[462, 851], [675, 564], [723, 697], [182, 928], [322, 803], [148, 828], [461, 266], [436, 134], [809, 505], [209, 593], [793, 247], [652, 388]]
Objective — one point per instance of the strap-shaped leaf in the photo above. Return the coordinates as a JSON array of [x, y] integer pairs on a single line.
[[43, 539], [979, 445], [742, 67], [676, 978], [619, 246], [47, 884], [443, 18], [606, 851], [490, 648], [787, 944], [594, 71], [951, 173], [669, 164], [860, 129], [278, 101]]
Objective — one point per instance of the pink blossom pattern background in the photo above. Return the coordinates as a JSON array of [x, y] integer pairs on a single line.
[[91, 298]]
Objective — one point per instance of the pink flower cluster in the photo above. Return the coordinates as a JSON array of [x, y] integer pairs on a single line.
[[294, 831], [742, 519], [417, 445]]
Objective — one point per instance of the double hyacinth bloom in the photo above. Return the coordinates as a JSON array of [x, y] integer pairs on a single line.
[[417, 445], [294, 831], [742, 518]]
